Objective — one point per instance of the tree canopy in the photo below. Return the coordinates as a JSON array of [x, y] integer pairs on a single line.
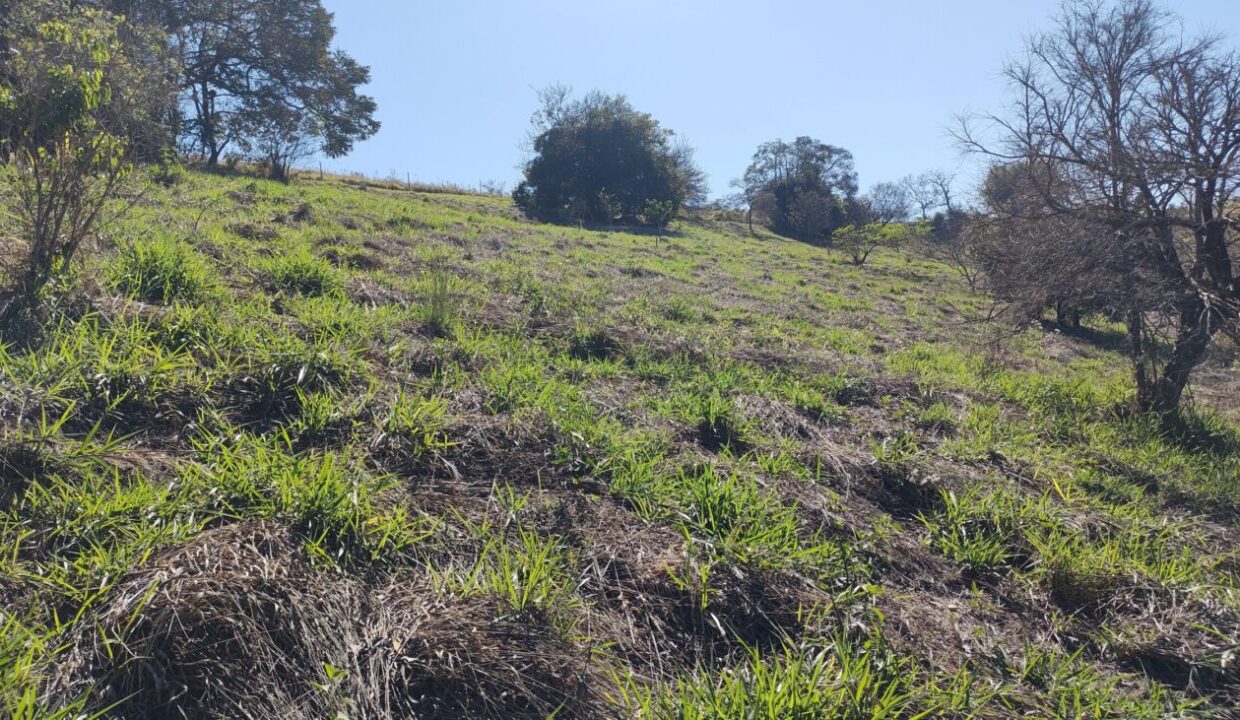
[[802, 188], [599, 160], [251, 71]]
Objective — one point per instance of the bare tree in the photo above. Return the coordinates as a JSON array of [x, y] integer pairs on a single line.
[[885, 203], [941, 181], [1032, 256], [959, 241], [930, 191], [1130, 135]]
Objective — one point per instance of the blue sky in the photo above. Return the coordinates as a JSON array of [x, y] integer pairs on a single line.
[[456, 79]]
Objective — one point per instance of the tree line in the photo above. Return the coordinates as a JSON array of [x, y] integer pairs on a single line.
[[1111, 183]]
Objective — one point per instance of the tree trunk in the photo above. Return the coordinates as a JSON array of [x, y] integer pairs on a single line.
[[1135, 323], [1161, 394], [1067, 316], [209, 142]]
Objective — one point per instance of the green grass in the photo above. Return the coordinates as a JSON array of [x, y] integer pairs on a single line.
[[162, 270], [719, 476], [525, 573], [299, 271]]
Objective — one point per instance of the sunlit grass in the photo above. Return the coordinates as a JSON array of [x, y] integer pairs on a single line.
[[426, 385]]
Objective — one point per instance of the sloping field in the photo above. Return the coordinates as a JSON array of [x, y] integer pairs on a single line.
[[340, 449]]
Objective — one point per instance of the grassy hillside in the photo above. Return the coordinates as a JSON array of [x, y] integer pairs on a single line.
[[337, 448]]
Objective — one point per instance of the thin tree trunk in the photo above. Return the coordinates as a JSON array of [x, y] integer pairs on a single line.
[[1196, 330], [1135, 323], [209, 142]]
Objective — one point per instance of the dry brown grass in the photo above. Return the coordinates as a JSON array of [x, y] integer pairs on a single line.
[[237, 624]]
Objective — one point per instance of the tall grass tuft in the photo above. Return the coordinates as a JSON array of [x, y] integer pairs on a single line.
[[300, 271], [162, 270], [440, 310]]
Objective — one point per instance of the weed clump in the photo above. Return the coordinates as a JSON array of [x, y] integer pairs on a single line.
[[720, 426], [300, 271], [981, 533], [907, 490], [163, 271], [440, 311], [414, 427], [592, 344], [842, 677]]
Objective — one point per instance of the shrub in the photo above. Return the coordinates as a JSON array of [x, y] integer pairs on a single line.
[[62, 165], [169, 171]]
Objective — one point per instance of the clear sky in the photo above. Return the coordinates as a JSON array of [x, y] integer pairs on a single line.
[[456, 79]]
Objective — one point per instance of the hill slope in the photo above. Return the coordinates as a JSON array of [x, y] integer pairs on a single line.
[[344, 448]]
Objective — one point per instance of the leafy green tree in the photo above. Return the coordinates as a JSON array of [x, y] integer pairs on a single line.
[[57, 98], [659, 213], [145, 75], [599, 160], [860, 240], [802, 188], [252, 68]]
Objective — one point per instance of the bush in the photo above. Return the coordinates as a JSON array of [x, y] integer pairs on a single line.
[[169, 171], [61, 164]]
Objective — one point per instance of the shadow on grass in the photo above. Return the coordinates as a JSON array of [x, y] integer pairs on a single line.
[[1104, 339], [1202, 433], [1199, 432], [646, 230], [616, 227]]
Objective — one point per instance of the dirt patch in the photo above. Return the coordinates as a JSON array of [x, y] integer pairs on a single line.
[[663, 616], [252, 231]]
